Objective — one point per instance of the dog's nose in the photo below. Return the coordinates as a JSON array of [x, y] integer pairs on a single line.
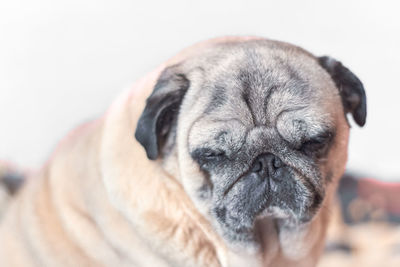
[[266, 166]]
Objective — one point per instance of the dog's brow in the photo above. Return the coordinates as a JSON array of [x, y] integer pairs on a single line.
[[213, 136], [291, 109], [245, 96], [271, 90]]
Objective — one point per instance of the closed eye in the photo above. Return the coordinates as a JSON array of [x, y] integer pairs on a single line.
[[207, 155], [318, 145]]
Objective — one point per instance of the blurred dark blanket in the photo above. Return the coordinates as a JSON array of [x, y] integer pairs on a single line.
[[365, 226]]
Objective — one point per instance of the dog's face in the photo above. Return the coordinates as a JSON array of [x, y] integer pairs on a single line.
[[254, 129]]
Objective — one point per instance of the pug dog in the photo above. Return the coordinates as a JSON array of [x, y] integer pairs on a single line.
[[234, 162]]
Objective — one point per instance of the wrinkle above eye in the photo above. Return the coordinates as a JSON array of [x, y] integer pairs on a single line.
[[292, 131], [298, 133]]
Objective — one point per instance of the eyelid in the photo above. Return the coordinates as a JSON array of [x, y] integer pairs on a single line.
[[213, 154], [317, 143], [322, 137], [205, 154]]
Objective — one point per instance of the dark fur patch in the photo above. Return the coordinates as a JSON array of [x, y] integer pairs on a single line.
[[350, 88], [221, 214], [338, 247], [12, 182], [246, 98], [160, 113], [218, 99]]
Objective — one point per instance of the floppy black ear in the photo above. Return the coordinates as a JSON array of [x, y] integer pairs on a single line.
[[161, 111], [350, 87]]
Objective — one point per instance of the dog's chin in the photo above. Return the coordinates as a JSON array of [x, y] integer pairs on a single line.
[[248, 236], [286, 216]]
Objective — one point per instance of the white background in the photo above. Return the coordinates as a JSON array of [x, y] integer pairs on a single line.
[[63, 62]]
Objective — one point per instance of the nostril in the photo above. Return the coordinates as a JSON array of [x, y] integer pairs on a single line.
[[267, 164], [257, 167], [277, 163]]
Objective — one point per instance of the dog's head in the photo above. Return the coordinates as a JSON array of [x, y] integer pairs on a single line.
[[253, 129]]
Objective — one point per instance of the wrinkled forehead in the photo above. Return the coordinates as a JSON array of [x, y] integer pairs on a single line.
[[256, 69], [270, 87]]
